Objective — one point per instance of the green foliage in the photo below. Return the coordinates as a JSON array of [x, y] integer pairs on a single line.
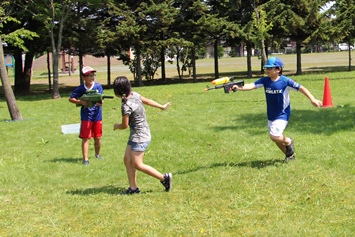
[[150, 60], [232, 53], [295, 19], [17, 37], [112, 26], [344, 28], [220, 52], [184, 56], [201, 53], [4, 17], [151, 63], [260, 31]]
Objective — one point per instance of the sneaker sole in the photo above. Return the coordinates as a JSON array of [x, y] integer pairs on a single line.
[[290, 158], [129, 191]]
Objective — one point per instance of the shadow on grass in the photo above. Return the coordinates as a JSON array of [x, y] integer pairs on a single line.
[[110, 189], [256, 164], [66, 160], [326, 121], [312, 70]]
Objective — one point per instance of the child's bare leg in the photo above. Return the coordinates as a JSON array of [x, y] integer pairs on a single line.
[[137, 159], [130, 169], [85, 148], [97, 145], [281, 141]]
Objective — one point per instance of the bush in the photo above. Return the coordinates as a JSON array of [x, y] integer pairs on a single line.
[[232, 53]]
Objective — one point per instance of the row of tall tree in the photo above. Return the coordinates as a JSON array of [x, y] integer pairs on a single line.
[[159, 28]]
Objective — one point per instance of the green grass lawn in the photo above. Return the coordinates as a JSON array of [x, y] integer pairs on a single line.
[[229, 179]]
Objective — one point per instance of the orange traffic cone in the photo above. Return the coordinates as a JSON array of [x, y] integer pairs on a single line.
[[327, 97]]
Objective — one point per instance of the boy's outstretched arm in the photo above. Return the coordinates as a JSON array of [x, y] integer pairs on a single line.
[[154, 104], [246, 87], [309, 95]]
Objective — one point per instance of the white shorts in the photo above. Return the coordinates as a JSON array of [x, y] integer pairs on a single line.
[[276, 127]]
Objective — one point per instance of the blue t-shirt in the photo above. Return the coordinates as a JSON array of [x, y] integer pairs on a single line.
[[277, 96], [94, 113]]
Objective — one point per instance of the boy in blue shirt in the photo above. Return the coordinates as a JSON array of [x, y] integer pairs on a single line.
[[91, 117], [277, 88]]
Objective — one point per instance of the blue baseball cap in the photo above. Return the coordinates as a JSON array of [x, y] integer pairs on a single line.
[[274, 62]]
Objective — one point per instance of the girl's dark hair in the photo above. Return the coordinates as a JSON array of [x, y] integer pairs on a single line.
[[122, 87]]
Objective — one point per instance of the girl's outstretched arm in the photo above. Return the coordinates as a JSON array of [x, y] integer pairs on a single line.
[[152, 103]]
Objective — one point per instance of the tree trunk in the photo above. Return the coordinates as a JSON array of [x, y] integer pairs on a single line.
[[108, 55], [9, 94], [215, 48], [18, 71], [139, 68], [27, 72], [178, 62], [349, 52], [241, 50], [23, 73], [49, 73], [69, 65], [56, 46], [349, 68], [263, 51], [298, 52], [162, 58], [249, 73], [193, 62], [55, 58], [264, 58], [81, 65]]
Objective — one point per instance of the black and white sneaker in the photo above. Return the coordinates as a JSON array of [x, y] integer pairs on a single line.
[[289, 158], [130, 191], [290, 149], [167, 182]]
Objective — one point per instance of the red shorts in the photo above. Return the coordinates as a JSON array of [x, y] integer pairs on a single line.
[[90, 129]]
